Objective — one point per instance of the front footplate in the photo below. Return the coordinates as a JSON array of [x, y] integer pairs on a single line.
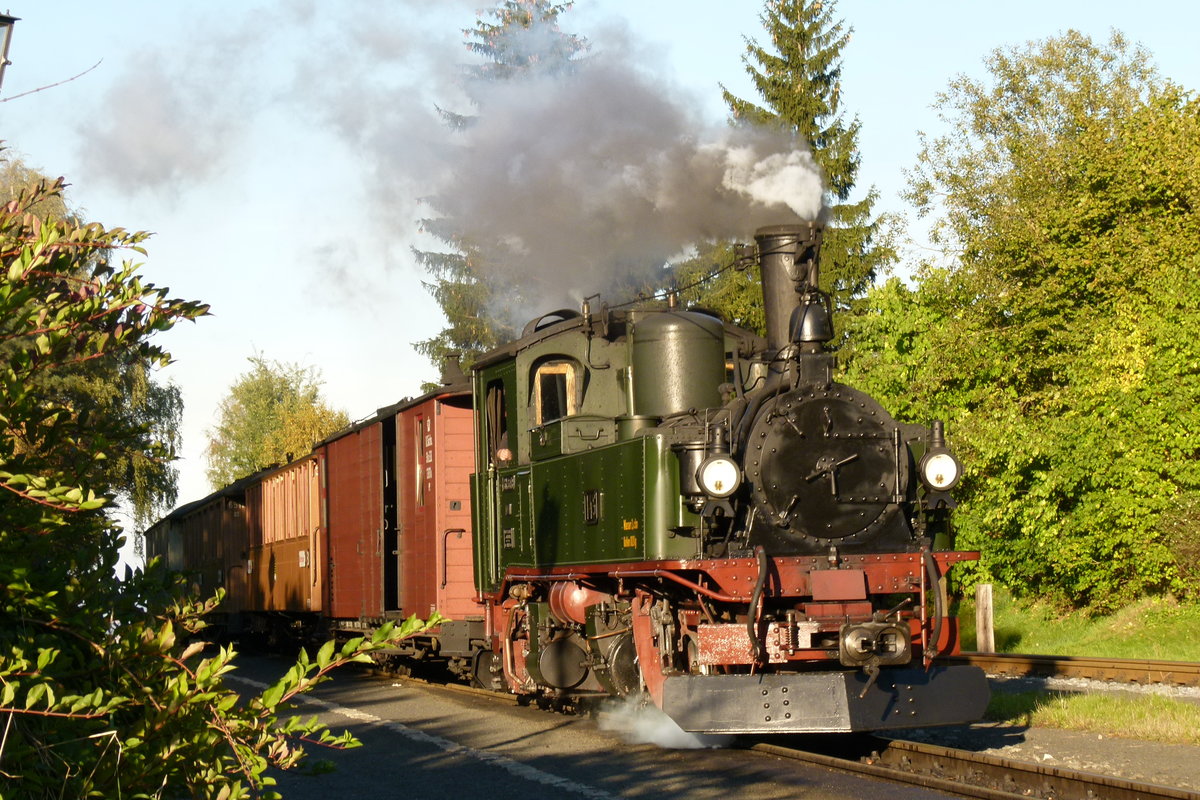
[[825, 702]]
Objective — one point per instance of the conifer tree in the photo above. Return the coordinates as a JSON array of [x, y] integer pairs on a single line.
[[798, 79], [523, 40]]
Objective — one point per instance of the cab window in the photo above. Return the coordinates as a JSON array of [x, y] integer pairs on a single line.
[[497, 423], [554, 391]]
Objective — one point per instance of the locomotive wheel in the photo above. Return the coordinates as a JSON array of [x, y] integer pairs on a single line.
[[623, 667], [485, 670]]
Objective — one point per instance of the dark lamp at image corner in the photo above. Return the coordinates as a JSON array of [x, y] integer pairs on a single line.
[[6, 28]]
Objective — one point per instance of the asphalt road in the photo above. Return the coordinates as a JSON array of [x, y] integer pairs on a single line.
[[427, 742]]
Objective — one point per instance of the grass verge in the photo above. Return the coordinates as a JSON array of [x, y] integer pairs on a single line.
[[1153, 628], [1146, 717]]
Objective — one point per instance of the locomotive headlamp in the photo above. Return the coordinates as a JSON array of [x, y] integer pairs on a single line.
[[940, 471], [719, 476]]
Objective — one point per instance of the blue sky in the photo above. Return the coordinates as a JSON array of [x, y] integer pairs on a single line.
[[270, 147]]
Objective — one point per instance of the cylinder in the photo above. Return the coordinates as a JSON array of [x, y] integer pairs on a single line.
[[678, 360], [569, 601]]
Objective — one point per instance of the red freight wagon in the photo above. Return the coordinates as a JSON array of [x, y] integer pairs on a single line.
[[399, 522], [286, 527], [355, 515], [435, 458]]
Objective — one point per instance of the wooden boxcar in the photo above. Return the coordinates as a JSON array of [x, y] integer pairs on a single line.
[[373, 525], [399, 522], [434, 460], [286, 538], [356, 515]]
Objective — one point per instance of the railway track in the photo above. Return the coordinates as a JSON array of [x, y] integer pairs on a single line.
[[973, 775], [959, 772], [1119, 670]]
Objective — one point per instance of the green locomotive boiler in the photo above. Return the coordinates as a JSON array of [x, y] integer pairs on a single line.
[[666, 503]]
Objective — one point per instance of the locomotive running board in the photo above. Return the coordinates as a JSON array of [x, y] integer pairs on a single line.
[[823, 702]]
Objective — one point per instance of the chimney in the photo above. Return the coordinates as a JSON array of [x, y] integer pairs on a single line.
[[452, 372], [792, 301]]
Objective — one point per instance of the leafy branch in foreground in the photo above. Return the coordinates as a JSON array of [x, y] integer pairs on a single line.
[[105, 690], [161, 720]]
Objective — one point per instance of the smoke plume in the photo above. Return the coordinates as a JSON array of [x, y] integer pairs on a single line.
[[570, 182]]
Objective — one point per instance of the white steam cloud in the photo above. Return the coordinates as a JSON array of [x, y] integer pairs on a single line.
[[641, 723], [788, 179]]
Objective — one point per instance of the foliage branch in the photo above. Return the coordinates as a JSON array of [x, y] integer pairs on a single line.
[[142, 414], [104, 687]]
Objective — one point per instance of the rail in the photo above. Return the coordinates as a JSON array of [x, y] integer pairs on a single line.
[[977, 775], [1125, 670]]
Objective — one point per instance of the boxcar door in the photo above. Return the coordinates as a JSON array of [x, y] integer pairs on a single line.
[[454, 454], [355, 522], [419, 563], [392, 524]]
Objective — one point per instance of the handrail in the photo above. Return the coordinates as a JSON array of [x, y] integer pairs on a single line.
[[446, 552]]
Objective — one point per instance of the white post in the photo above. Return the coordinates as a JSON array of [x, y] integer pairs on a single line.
[[985, 632]]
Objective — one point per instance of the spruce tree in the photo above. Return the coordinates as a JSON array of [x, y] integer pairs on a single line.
[[798, 80], [523, 40]]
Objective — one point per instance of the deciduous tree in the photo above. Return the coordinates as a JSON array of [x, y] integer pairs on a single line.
[[101, 695], [138, 466], [272, 413], [1057, 341]]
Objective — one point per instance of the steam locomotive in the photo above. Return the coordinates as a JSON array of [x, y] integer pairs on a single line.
[[645, 502]]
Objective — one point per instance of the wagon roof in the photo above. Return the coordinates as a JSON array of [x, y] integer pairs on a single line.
[[459, 389]]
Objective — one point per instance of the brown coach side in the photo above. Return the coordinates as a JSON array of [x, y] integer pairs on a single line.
[[208, 540], [286, 528]]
